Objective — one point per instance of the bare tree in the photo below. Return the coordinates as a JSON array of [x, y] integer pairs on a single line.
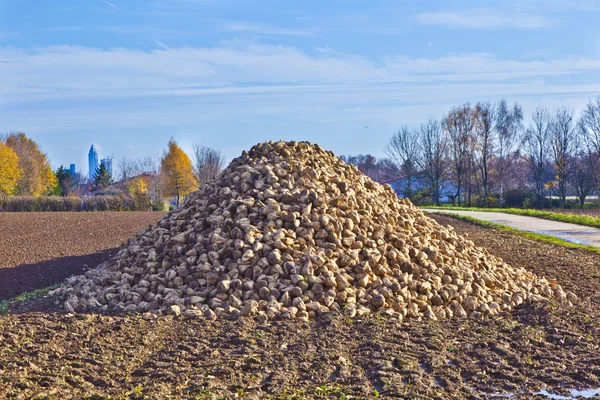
[[537, 147], [207, 163], [403, 149], [149, 164], [79, 182], [459, 124], [379, 170], [584, 164], [508, 126], [562, 146], [127, 168], [434, 161], [484, 144], [590, 123]]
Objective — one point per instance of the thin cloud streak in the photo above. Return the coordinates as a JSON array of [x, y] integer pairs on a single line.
[[266, 30], [112, 5], [162, 45], [484, 19]]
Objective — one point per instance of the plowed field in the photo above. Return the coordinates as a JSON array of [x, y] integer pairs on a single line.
[[39, 249], [50, 354]]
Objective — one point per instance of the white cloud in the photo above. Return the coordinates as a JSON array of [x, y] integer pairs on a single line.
[[78, 72], [265, 89], [485, 19]]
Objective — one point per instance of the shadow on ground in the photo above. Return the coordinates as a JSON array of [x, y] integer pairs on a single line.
[[28, 277]]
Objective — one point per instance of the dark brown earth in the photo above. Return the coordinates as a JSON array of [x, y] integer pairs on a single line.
[[53, 355], [39, 249]]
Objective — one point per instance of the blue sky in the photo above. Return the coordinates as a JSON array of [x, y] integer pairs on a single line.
[[128, 75]]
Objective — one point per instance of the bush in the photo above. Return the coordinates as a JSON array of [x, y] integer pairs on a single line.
[[422, 198], [160, 206], [56, 203], [492, 201], [517, 198]]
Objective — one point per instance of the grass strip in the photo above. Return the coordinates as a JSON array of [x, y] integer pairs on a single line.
[[25, 297], [571, 218], [529, 235]]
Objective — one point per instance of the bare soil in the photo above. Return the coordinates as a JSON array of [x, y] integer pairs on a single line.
[[49, 354], [39, 249]]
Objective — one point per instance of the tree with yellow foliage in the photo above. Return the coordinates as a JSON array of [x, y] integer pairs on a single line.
[[138, 189], [9, 169], [37, 177], [177, 172]]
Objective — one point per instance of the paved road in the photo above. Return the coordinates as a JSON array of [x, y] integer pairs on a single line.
[[562, 230]]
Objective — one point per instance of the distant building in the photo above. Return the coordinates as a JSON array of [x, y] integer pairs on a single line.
[[72, 170], [92, 162], [107, 162]]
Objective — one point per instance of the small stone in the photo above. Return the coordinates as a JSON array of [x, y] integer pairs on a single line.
[[262, 318], [69, 307], [180, 238], [378, 301], [192, 314], [174, 310], [210, 314]]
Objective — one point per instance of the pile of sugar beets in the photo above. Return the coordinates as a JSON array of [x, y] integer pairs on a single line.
[[290, 231]]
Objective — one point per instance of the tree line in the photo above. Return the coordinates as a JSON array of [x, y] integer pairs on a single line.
[[175, 174], [26, 176], [484, 153]]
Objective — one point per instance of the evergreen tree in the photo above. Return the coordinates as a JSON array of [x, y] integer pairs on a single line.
[[64, 182], [102, 178]]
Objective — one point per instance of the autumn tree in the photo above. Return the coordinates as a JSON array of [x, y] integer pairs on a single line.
[[208, 163], [138, 190], [10, 173], [37, 177], [177, 171]]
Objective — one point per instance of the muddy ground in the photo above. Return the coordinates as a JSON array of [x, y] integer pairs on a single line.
[[39, 249], [52, 355]]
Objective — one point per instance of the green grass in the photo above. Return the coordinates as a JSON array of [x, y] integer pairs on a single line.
[[25, 297], [571, 218], [529, 235]]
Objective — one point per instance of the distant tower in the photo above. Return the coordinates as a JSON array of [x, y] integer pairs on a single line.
[[107, 162], [72, 170], [92, 162]]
